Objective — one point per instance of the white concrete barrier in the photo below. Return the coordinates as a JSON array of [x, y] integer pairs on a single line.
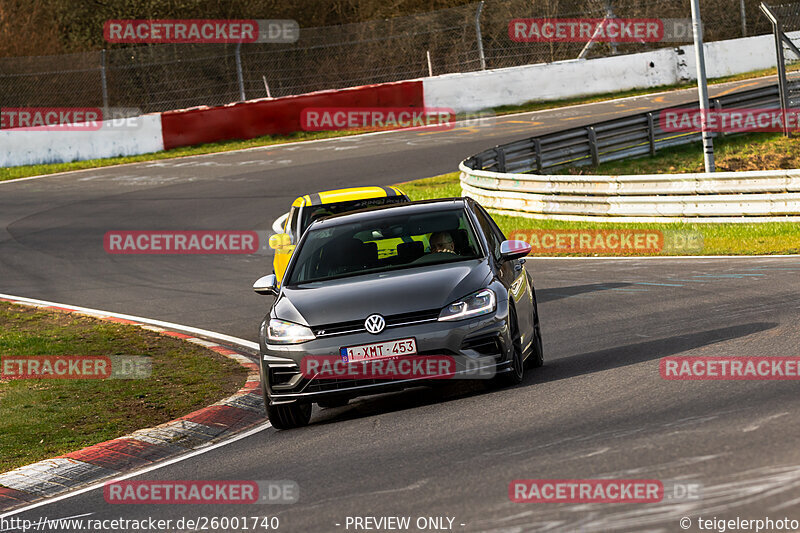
[[115, 138], [756, 196], [475, 91]]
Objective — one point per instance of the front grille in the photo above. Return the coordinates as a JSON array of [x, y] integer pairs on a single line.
[[357, 326], [324, 385]]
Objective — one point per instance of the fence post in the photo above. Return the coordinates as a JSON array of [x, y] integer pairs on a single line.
[[103, 81], [478, 34], [430, 66], [266, 86], [239, 71], [593, 146], [537, 148], [651, 133], [744, 18]]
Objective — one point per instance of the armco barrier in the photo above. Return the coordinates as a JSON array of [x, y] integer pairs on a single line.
[[757, 196], [246, 120], [509, 178]]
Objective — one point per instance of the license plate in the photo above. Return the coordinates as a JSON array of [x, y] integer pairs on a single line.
[[379, 350]]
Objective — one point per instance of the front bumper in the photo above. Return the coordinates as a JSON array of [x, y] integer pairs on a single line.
[[482, 342]]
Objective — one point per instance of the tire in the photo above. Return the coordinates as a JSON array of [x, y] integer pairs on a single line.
[[333, 402], [289, 416], [536, 358], [517, 373]]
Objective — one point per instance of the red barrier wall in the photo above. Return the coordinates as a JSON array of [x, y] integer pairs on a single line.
[[245, 120]]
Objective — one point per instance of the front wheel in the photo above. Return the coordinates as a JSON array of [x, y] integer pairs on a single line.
[[536, 358], [289, 416]]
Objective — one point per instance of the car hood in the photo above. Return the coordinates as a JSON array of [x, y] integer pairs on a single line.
[[386, 293]]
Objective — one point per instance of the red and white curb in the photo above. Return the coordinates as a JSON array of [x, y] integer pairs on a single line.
[[141, 448]]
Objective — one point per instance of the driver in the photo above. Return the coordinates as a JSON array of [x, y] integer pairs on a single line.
[[442, 242]]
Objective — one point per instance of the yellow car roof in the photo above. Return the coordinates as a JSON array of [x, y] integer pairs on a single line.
[[346, 195]]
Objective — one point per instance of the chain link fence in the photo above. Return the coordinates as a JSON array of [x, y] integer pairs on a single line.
[[172, 76]]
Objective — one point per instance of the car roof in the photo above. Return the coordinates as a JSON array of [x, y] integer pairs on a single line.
[[351, 194], [420, 206]]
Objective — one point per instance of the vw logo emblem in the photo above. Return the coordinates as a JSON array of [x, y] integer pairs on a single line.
[[375, 324]]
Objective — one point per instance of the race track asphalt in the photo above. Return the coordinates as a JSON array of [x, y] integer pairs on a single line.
[[599, 407]]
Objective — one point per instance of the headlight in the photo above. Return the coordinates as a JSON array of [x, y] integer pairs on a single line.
[[282, 332], [482, 302]]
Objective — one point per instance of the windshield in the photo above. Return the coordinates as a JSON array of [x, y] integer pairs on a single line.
[[380, 245], [312, 213]]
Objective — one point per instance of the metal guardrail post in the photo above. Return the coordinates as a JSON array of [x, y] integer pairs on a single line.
[[593, 146], [537, 150], [651, 133], [501, 158], [717, 108]]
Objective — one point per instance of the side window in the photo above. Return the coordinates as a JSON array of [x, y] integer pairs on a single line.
[[489, 229], [498, 233]]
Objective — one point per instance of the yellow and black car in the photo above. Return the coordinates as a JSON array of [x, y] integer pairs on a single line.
[[306, 209]]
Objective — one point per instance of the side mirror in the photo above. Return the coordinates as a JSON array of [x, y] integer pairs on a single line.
[[280, 240], [514, 249], [266, 285]]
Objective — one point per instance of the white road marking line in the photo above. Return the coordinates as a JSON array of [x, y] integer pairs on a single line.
[[94, 486], [167, 325]]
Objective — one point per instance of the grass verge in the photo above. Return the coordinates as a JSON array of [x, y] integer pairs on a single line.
[[11, 173], [44, 418], [718, 239], [752, 151]]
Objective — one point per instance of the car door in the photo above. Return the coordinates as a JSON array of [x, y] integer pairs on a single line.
[[512, 275]]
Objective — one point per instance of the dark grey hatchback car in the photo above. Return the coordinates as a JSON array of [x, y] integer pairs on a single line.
[[408, 284]]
